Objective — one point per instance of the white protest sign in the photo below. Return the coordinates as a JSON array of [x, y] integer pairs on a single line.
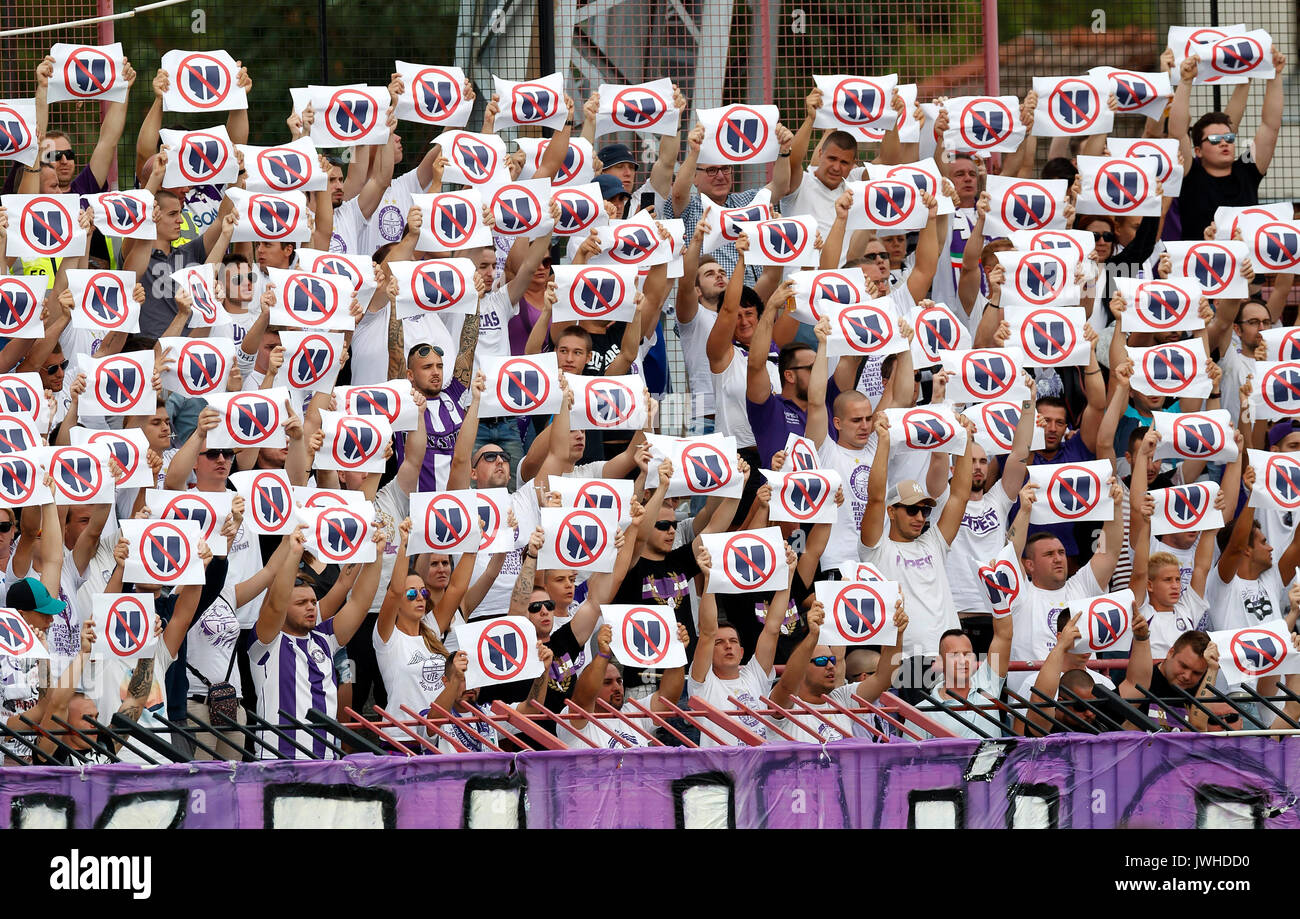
[[272, 218], [162, 552], [353, 442], [984, 124], [1195, 435], [357, 270], [521, 210], [200, 282], [738, 135], [724, 222], [1163, 151], [1106, 623], [926, 428], [22, 481], [312, 360], [995, 426], [18, 131], [121, 384], [855, 104], [124, 626], [746, 561], [924, 174], [577, 169], [294, 166], [21, 300], [17, 639], [537, 102], [81, 475], [394, 401], [436, 285], [43, 226], [103, 300], [528, 385], [1227, 220], [869, 329], [1236, 57], [433, 95], [644, 636], [452, 221], [806, 496], [605, 292], [608, 403], [1079, 244], [646, 108], [1185, 509], [578, 538], [311, 301], [500, 650], [202, 81], [1215, 265], [816, 292], [339, 534], [1143, 94], [1039, 278], [129, 448], [1050, 336], [18, 434], [1176, 369], [801, 453], [1255, 651], [1277, 480], [580, 209], [983, 375], [349, 116], [444, 521], [1169, 305], [478, 160], [209, 509], [125, 214], [495, 534], [858, 612], [1002, 579], [1072, 492], [268, 500], [1118, 187], [1072, 106], [249, 419], [84, 72], [1025, 204], [936, 329], [1274, 244], [886, 206], [634, 242], [703, 465], [205, 157]]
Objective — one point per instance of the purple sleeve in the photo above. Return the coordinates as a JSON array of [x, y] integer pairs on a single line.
[[1075, 451], [767, 419], [84, 184]]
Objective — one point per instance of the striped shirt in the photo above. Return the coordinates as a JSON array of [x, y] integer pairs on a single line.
[[296, 675], [726, 256]]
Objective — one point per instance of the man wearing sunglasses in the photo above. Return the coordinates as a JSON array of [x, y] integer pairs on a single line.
[[910, 553], [1216, 177]]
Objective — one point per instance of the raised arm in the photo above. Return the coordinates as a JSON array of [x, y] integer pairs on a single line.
[[953, 511], [1112, 538], [270, 619], [817, 426], [1270, 115], [702, 662], [797, 664], [719, 347], [873, 518], [874, 686]]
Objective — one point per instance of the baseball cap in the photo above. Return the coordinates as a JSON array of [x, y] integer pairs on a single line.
[[1278, 432], [613, 154], [908, 492], [30, 594], [610, 187]]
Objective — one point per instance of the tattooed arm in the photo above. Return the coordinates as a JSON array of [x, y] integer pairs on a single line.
[[527, 574], [468, 344], [137, 690]]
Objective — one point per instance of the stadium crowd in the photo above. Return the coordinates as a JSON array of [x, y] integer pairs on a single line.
[[893, 262]]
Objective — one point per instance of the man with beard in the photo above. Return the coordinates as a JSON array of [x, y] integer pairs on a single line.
[[699, 294]]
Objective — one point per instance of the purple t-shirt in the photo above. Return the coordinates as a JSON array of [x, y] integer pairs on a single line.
[[772, 422], [84, 184], [521, 326], [442, 420]]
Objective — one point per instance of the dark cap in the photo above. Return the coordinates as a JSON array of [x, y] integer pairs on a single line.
[[30, 594], [1279, 432], [613, 154], [611, 187]]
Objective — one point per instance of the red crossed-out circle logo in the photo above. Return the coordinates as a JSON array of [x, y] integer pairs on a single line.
[[201, 157], [311, 361], [251, 418], [279, 216], [1028, 206], [783, 241], [985, 123], [1282, 480], [1048, 336], [89, 72], [1277, 245], [522, 386], [438, 284], [1128, 195], [1257, 651], [125, 450], [105, 300], [436, 94], [596, 292], [454, 220], [1161, 305], [937, 330], [1041, 277], [172, 551], [333, 524], [283, 168], [749, 561], [706, 468], [1133, 90], [447, 522], [1210, 262], [856, 102], [120, 383], [1073, 105], [16, 636], [649, 629], [16, 134], [866, 328], [926, 430], [477, 160], [532, 103], [1000, 419], [195, 80], [310, 300], [831, 287], [1235, 55], [859, 613], [578, 211], [17, 305], [987, 374], [76, 473], [1073, 491], [608, 402], [193, 506], [741, 134], [1280, 387], [1169, 369], [580, 539], [889, 202], [46, 225], [374, 400], [1197, 435], [271, 503], [1164, 162], [502, 651], [1002, 582], [1107, 623], [638, 108], [1186, 505], [804, 494], [350, 115], [127, 628], [730, 223], [18, 478], [19, 396], [575, 161], [516, 210], [357, 441], [340, 266]]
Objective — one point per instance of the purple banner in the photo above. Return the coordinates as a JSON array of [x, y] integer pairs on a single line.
[[1167, 781]]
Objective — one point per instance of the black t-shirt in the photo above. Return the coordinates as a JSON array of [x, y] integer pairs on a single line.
[[748, 613], [567, 664], [661, 582], [1202, 194], [605, 445]]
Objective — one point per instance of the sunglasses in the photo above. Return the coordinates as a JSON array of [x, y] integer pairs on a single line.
[[243, 278], [424, 350], [877, 256], [215, 455], [53, 156], [6, 526], [413, 592], [1107, 236], [1228, 138], [55, 368], [538, 605], [304, 582], [492, 456], [822, 660], [712, 171], [912, 510], [663, 526]]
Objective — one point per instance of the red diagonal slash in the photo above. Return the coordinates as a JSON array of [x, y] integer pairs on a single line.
[[334, 525], [869, 334], [1029, 210], [116, 614], [12, 140], [1159, 297], [996, 585], [437, 98], [650, 642], [356, 441], [745, 558], [982, 366], [199, 76], [1207, 266], [741, 134], [203, 156], [302, 285], [582, 542], [447, 523], [934, 331], [1180, 497], [604, 397], [1120, 187], [379, 410], [974, 113], [482, 166], [247, 412], [4, 293], [520, 384], [110, 311], [203, 370], [63, 464], [1193, 433], [889, 201], [1083, 116], [447, 295], [1271, 659], [776, 228], [41, 220], [348, 111], [1129, 87], [267, 498], [13, 448], [1290, 481], [1278, 378], [1105, 624], [1043, 332], [504, 653], [1042, 278], [569, 208], [270, 209], [115, 378], [1070, 488], [1160, 355], [708, 473], [287, 168], [633, 244], [1276, 241], [157, 545], [1228, 50], [18, 637], [798, 483], [514, 213], [82, 67], [595, 292], [446, 212]]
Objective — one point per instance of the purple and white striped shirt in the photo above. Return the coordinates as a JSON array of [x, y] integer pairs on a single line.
[[296, 674]]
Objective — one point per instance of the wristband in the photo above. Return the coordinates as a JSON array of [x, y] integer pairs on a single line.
[[782, 155], [602, 654], [1216, 395]]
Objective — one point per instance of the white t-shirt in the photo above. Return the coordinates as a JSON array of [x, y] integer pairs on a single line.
[[980, 538], [844, 725], [497, 600], [919, 567], [388, 222], [749, 687], [729, 399], [350, 229], [212, 643], [494, 314], [369, 348], [1278, 526], [814, 199], [1190, 612], [1034, 612], [853, 466], [694, 337], [982, 679], [391, 507], [412, 675], [1241, 603], [601, 739]]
